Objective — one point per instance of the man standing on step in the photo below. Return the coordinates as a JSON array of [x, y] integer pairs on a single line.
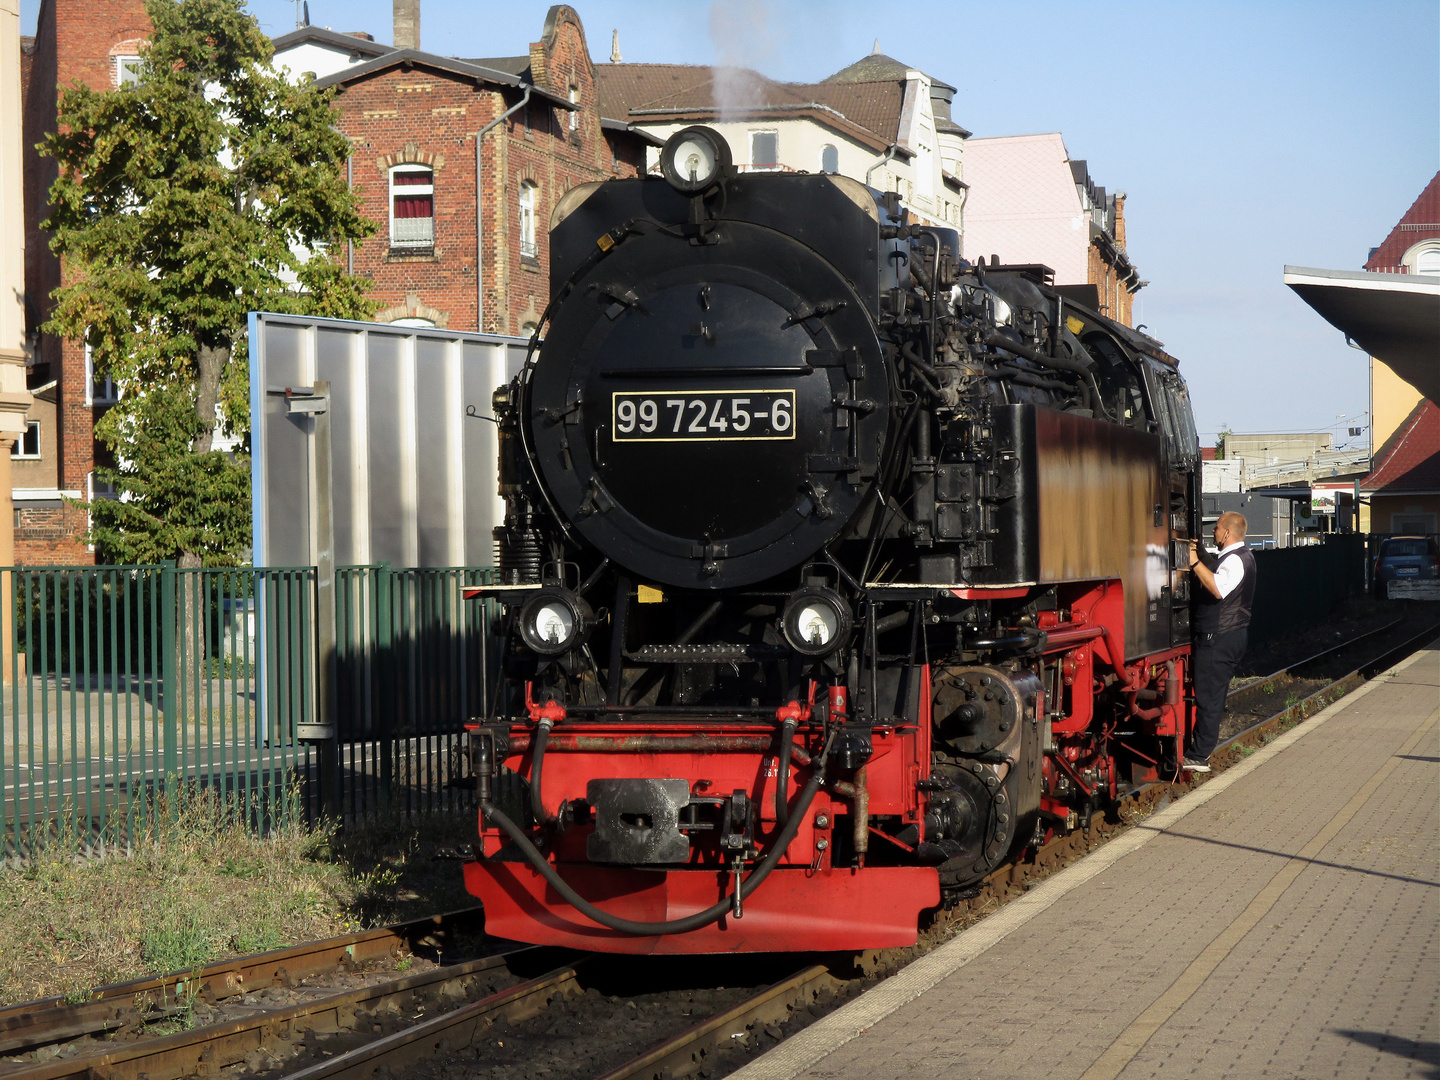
[[1221, 625]]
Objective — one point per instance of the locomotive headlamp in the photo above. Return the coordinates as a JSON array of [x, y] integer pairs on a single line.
[[554, 620], [815, 621], [694, 158]]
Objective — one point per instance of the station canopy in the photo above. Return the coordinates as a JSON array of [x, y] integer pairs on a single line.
[[1393, 317]]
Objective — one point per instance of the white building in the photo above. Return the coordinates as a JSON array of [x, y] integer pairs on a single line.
[[877, 121]]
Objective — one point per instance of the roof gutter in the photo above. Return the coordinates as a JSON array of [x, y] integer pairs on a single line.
[[479, 204]]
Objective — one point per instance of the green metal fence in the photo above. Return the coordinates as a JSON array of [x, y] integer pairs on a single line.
[[121, 682]]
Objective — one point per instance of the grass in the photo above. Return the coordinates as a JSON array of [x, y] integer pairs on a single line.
[[199, 886]]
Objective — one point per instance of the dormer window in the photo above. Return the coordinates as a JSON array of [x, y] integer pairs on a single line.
[[412, 207]]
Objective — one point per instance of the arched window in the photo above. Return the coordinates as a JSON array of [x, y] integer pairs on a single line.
[[412, 206], [829, 159], [529, 248], [1427, 261], [414, 320], [575, 112]]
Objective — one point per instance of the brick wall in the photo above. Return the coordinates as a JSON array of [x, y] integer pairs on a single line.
[[51, 536], [75, 40], [1116, 300], [426, 115]]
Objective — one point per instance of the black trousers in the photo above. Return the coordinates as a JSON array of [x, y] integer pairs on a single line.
[[1216, 658]]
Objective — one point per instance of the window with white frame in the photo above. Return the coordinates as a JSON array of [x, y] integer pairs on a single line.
[[412, 206], [95, 488], [28, 444], [574, 112], [829, 159], [127, 71], [529, 249], [764, 150], [1427, 260], [99, 390]]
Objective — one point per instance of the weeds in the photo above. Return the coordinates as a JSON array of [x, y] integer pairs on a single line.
[[180, 942], [198, 884]]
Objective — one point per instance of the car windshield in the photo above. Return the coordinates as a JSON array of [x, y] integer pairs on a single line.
[[1404, 547]]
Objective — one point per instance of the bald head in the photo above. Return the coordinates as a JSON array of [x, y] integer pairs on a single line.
[[1233, 525]]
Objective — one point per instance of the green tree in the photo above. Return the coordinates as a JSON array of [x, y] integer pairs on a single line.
[[210, 189]]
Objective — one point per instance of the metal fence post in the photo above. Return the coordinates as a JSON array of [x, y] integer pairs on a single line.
[[169, 675], [385, 676], [325, 729]]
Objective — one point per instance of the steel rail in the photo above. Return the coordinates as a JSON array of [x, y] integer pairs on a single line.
[[1289, 669], [1335, 690], [1326, 695], [689, 1052], [35, 1023], [448, 1031], [206, 1050]]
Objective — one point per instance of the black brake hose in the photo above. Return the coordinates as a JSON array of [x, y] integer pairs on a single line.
[[782, 774], [537, 762], [674, 926]]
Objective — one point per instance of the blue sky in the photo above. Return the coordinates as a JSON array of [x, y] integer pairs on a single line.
[[1247, 136]]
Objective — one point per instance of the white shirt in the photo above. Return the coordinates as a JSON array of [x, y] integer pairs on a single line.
[[1230, 572]]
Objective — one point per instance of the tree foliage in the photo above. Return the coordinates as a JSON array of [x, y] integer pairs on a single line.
[[210, 189]]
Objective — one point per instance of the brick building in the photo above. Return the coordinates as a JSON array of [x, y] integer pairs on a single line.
[[413, 118], [1031, 203], [445, 206], [97, 43]]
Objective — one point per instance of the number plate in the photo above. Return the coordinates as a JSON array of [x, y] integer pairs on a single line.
[[702, 415], [1407, 571]]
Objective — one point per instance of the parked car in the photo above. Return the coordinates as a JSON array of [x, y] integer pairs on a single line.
[[1405, 558]]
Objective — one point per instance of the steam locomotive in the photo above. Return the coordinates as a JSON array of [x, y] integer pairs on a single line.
[[835, 570]]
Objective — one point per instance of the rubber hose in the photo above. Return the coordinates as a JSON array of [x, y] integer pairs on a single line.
[[537, 762], [674, 926], [782, 774]]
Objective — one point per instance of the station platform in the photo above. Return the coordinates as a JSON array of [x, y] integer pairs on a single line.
[[1281, 920]]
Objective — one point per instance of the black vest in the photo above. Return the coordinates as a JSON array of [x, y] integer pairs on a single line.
[[1214, 616]]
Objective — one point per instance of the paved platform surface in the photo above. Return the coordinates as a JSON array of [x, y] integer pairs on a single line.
[[1283, 920]]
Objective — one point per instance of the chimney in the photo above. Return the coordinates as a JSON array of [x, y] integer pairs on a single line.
[[407, 24]]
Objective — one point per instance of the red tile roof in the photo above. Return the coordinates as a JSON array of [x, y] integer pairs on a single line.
[[1421, 221], [630, 91], [1409, 462]]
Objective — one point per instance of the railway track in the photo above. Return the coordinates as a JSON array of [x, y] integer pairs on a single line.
[[1063, 850], [146, 1001], [399, 1024], [1327, 694]]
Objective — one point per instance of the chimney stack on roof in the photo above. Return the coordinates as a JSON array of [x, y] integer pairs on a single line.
[[615, 56], [407, 24]]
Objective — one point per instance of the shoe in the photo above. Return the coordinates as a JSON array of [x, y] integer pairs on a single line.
[[1195, 764]]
